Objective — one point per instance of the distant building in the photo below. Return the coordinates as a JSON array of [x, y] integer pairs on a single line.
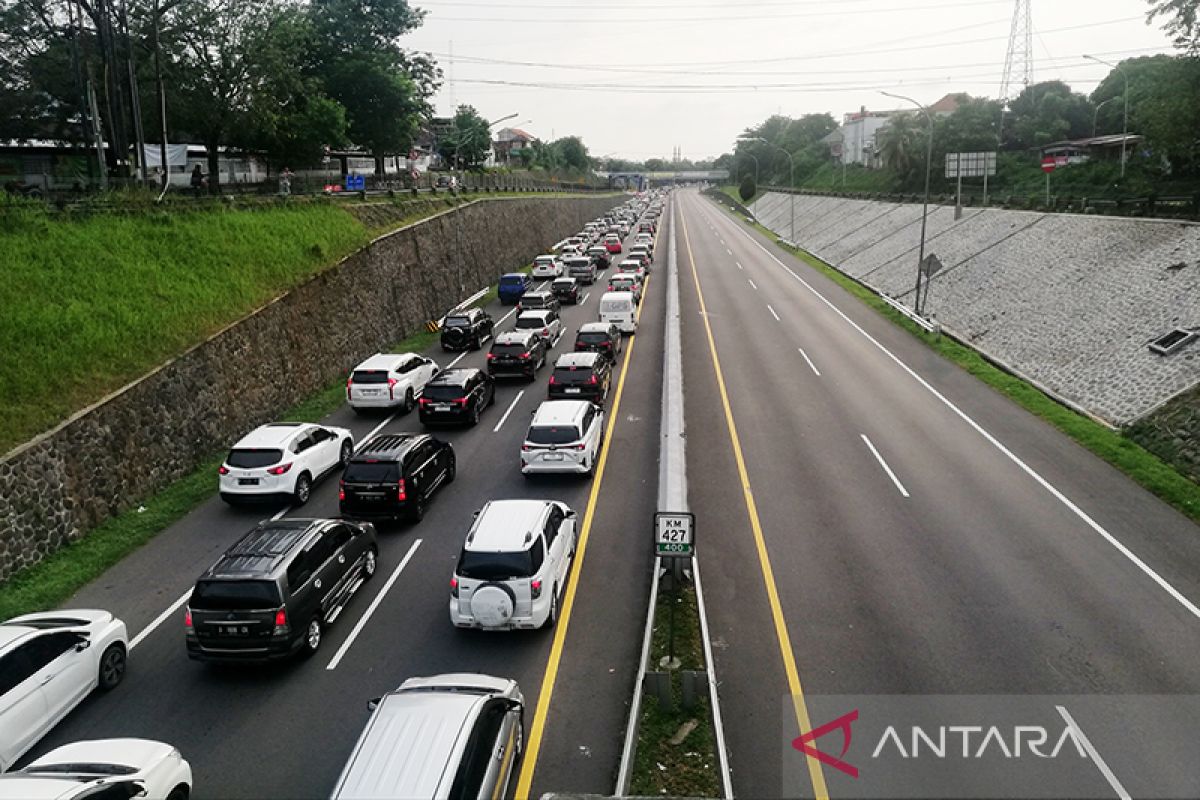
[[1094, 148], [510, 142], [856, 139]]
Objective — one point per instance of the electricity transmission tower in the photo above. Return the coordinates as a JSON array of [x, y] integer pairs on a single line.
[[1018, 64]]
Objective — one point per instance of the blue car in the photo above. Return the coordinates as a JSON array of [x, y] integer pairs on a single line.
[[513, 286]]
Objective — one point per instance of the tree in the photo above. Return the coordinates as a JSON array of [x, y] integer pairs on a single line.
[[572, 153], [1182, 21], [1047, 112], [656, 165], [900, 144], [1164, 105], [468, 140], [747, 189]]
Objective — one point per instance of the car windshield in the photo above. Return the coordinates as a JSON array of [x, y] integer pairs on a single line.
[[552, 434], [370, 376], [457, 322], [372, 471], [495, 566], [443, 392], [251, 458], [234, 595]]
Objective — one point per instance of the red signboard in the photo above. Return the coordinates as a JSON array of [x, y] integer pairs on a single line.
[[1048, 164]]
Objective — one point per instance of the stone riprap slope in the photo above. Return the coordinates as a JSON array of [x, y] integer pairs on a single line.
[[113, 455], [1070, 301]]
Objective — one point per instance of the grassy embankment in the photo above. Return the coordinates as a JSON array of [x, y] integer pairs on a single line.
[[1144, 467]]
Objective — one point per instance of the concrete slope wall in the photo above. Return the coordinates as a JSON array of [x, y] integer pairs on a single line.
[[113, 455], [1069, 300]]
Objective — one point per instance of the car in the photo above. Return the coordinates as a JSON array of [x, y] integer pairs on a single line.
[[631, 266], [532, 301], [626, 282], [566, 290], [643, 253], [585, 375], [389, 381], [644, 238], [545, 322], [582, 269], [50, 661], [600, 257], [547, 266], [103, 769], [281, 462], [273, 592], [459, 735], [512, 286], [513, 565], [564, 436], [457, 395], [466, 329], [612, 243], [599, 337], [517, 353], [393, 476], [619, 308], [646, 226]]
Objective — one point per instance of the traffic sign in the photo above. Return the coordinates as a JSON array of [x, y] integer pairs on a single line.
[[931, 265], [675, 534], [1048, 164]]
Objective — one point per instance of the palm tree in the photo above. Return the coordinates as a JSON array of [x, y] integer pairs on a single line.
[[898, 145]]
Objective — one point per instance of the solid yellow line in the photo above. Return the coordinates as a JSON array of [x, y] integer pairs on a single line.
[[785, 644], [529, 764]]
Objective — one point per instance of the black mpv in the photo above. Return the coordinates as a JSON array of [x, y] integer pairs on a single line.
[[393, 476]]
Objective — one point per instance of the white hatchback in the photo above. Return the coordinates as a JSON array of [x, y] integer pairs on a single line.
[[565, 436], [547, 267], [282, 461], [103, 768], [49, 662], [389, 380], [513, 565]]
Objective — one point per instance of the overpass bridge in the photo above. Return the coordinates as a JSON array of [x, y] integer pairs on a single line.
[[644, 179]]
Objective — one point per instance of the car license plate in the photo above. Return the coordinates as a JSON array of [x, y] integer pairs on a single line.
[[441, 407], [369, 392], [573, 390], [553, 457], [247, 481]]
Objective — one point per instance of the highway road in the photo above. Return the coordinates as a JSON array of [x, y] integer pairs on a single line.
[[286, 730], [880, 522]]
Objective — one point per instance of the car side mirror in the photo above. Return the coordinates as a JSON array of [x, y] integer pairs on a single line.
[[82, 645], [373, 703], [475, 513]]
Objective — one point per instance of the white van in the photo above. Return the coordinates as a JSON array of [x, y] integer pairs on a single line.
[[449, 736], [620, 309]]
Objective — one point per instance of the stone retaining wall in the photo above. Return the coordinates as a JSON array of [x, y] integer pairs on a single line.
[[120, 451], [1069, 300]]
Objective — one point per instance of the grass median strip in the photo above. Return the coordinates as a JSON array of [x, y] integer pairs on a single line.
[[676, 748], [1149, 471]]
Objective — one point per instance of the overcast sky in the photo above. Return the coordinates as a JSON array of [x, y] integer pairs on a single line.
[[636, 79]]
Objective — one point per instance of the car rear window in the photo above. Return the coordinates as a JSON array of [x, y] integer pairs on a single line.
[[435, 392], [371, 472], [246, 458], [552, 434], [370, 376], [457, 322], [614, 305], [592, 338], [508, 349], [511, 280], [531, 322], [501, 566], [572, 374], [234, 595]]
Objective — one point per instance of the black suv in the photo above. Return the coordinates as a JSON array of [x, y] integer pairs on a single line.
[[580, 376], [271, 594], [462, 330], [519, 353], [600, 257], [566, 290], [457, 395], [393, 476], [599, 337], [537, 300]]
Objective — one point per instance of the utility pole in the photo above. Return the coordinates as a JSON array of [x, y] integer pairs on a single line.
[[1125, 124], [134, 98], [925, 203]]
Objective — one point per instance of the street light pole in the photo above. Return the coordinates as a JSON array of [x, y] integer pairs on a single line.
[[1096, 114], [1125, 124], [791, 181], [925, 202]]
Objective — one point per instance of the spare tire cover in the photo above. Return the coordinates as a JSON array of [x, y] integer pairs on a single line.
[[454, 335], [492, 605]]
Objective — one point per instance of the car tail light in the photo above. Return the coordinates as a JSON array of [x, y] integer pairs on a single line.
[[391, 387], [461, 401], [535, 589], [454, 587], [552, 380], [526, 447], [187, 618], [545, 331], [281, 621], [282, 468], [222, 470], [491, 356], [577, 446], [525, 356], [424, 401], [592, 380], [401, 496], [341, 491], [349, 383]]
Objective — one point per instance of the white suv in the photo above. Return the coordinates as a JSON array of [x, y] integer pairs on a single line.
[[282, 461], [103, 768], [547, 267], [565, 436], [544, 322], [389, 380], [513, 566]]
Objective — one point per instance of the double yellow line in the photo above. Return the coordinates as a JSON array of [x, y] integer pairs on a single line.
[[538, 728], [764, 560]]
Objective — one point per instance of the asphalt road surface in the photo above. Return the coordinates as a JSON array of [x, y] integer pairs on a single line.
[[285, 730], [900, 528]]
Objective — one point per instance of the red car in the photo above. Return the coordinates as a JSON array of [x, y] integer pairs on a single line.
[[612, 243]]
